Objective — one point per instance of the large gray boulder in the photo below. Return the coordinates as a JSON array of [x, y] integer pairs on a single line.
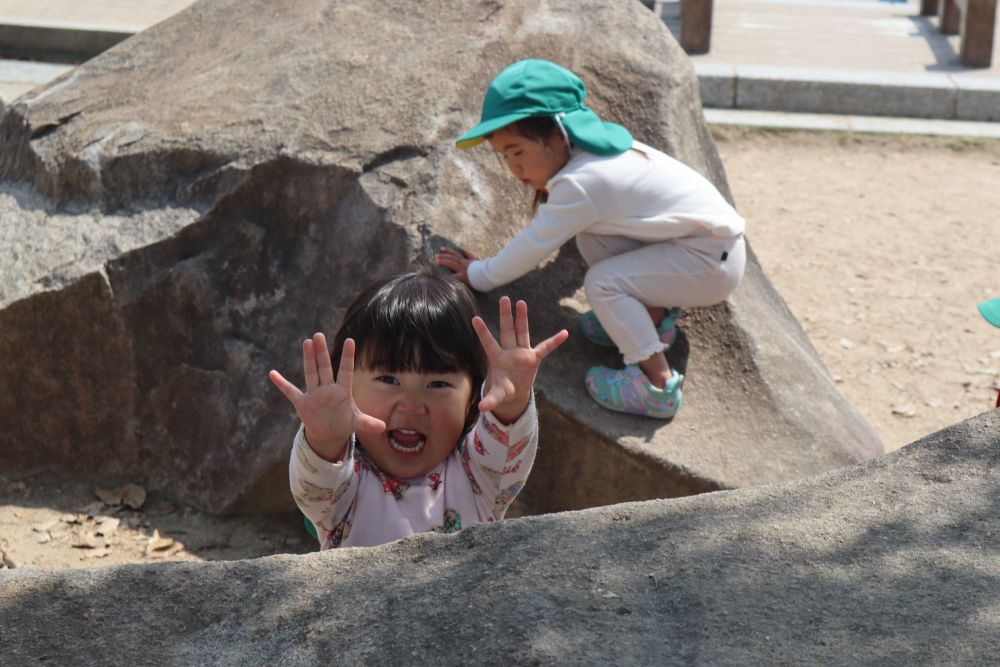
[[178, 213], [891, 562]]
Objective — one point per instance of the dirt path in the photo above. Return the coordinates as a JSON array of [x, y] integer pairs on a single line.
[[881, 246]]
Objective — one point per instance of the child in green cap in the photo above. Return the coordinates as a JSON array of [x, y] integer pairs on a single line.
[[656, 235], [990, 310]]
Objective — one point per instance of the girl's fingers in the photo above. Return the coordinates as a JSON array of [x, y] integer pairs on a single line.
[[548, 345], [367, 423], [507, 338], [345, 374], [490, 401], [451, 262], [521, 325], [309, 364], [323, 364], [290, 391], [486, 338]]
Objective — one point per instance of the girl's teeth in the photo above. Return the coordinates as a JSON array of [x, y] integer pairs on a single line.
[[413, 441]]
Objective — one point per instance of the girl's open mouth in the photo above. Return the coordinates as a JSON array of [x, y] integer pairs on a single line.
[[407, 442]]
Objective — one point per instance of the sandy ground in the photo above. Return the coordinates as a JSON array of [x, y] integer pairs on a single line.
[[47, 520], [881, 245]]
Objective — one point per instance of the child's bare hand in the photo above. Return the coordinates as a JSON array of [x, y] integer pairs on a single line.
[[456, 261], [327, 407], [513, 361]]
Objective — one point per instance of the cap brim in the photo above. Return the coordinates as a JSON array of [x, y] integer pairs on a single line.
[[991, 311], [478, 134]]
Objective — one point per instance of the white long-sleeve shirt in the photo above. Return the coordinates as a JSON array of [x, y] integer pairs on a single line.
[[354, 503], [641, 194]]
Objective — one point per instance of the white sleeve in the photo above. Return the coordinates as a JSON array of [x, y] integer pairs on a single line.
[[567, 212], [497, 458], [323, 490]]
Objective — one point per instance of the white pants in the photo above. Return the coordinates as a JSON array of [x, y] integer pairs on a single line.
[[626, 275]]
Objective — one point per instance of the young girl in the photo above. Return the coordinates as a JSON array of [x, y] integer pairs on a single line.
[[395, 443], [656, 234]]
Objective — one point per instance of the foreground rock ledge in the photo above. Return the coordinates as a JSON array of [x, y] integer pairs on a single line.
[[178, 213], [892, 562]]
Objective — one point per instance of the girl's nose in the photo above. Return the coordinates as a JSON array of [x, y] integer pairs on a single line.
[[411, 405]]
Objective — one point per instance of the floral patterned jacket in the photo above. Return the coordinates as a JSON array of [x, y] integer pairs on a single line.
[[354, 503]]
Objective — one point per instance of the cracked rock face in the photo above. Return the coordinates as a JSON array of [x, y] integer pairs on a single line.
[[177, 214]]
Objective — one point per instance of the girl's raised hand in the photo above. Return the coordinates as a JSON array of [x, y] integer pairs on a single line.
[[327, 407], [456, 261], [513, 361]]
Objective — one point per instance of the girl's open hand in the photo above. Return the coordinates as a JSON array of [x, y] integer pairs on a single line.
[[513, 361], [456, 261], [327, 407]]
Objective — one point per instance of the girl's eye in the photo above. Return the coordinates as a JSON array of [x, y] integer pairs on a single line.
[[387, 379], [439, 384]]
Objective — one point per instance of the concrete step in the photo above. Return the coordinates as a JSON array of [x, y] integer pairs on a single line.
[[58, 44], [71, 31], [18, 77], [939, 95]]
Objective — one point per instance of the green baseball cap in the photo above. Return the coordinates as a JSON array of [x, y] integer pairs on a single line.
[[991, 311], [540, 88]]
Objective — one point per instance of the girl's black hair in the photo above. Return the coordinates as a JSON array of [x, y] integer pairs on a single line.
[[539, 128], [417, 322]]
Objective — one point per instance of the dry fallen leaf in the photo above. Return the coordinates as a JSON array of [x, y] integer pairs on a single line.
[[159, 542], [8, 561], [107, 496], [173, 550], [160, 546], [131, 495], [103, 552], [134, 496], [87, 541], [107, 525], [45, 527]]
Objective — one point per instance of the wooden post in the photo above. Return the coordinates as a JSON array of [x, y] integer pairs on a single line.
[[696, 25], [976, 44], [951, 17]]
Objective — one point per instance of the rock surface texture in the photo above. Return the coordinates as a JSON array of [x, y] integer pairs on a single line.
[[890, 562], [178, 213]]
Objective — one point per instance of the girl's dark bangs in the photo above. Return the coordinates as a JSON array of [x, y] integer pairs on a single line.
[[395, 350], [421, 332]]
